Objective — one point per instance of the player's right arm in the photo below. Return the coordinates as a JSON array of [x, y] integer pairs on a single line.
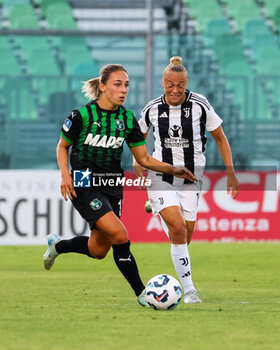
[[70, 130], [66, 186]]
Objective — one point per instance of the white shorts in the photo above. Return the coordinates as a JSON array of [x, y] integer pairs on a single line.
[[162, 195]]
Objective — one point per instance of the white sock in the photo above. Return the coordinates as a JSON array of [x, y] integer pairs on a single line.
[[182, 263]]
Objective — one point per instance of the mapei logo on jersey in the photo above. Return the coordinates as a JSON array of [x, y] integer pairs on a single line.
[[82, 178], [186, 111], [104, 141], [120, 124], [67, 124], [95, 204], [176, 140]]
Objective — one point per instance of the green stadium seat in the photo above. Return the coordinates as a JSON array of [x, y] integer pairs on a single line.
[[75, 55], [239, 79], [35, 143], [263, 110], [23, 16], [204, 11], [4, 91], [228, 48], [263, 41], [44, 4], [68, 42], [29, 43], [8, 5], [276, 18], [9, 65], [46, 86], [59, 22], [266, 55], [252, 29], [271, 83], [5, 43], [88, 69], [60, 16], [242, 12], [225, 41], [238, 68], [215, 28], [25, 108], [271, 6], [42, 62]]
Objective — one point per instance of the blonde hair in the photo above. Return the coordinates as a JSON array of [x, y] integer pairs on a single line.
[[91, 87], [175, 65]]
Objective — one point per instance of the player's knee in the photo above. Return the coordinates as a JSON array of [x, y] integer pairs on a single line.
[[98, 253], [119, 236], [178, 233]]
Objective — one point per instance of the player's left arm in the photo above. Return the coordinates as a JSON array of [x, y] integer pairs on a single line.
[[225, 150], [139, 170], [145, 160]]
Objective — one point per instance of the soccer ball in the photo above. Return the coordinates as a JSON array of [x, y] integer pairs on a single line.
[[163, 292]]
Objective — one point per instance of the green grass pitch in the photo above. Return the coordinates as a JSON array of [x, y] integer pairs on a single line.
[[86, 304]]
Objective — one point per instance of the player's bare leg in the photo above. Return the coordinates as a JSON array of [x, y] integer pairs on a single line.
[[99, 244]]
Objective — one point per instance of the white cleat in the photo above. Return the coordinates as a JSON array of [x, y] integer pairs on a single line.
[[148, 207], [51, 253], [191, 297], [141, 299]]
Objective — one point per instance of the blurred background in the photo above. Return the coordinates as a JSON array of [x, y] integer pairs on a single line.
[[48, 47]]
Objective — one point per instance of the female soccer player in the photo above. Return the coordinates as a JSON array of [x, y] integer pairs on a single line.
[[96, 133], [179, 119]]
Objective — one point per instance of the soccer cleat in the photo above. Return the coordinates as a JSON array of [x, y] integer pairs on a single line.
[[51, 253], [191, 297], [141, 299], [148, 207]]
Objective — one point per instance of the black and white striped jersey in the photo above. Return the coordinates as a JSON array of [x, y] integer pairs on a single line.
[[179, 131]]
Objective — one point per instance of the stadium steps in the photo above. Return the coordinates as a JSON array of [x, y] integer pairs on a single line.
[[112, 4], [118, 19]]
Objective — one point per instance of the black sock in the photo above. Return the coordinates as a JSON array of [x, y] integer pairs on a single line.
[[77, 244], [127, 265]]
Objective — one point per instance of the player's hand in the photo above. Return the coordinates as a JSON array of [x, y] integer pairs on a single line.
[[140, 171], [184, 173], [66, 186], [232, 185]]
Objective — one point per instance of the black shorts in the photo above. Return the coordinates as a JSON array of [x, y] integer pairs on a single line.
[[93, 204]]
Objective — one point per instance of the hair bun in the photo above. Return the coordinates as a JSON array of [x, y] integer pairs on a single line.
[[176, 60]]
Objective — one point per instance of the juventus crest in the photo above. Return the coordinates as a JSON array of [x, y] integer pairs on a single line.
[[186, 112]]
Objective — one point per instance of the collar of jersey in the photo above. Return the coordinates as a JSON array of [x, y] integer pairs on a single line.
[[105, 110]]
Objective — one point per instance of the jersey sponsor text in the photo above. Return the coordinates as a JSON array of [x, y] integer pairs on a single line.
[[104, 141]]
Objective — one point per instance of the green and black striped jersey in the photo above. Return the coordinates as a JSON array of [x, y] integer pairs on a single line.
[[97, 137]]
